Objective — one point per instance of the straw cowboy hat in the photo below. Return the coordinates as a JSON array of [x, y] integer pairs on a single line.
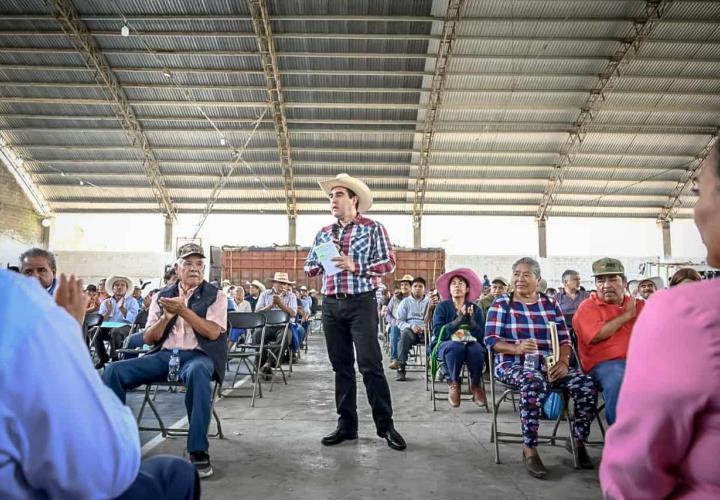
[[116, 277], [407, 278], [633, 285], [365, 197], [258, 285], [474, 282], [282, 278]]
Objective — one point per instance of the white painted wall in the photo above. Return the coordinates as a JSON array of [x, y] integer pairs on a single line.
[[11, 246], [108, 232], [92, 266], [97, 245]]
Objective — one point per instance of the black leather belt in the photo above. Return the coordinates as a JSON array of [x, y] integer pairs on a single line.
[[349, 296]]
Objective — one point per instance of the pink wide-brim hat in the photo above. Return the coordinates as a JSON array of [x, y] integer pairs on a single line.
[[473, 280]]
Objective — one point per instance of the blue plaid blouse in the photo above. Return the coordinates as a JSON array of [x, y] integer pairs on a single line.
[[518, 321]]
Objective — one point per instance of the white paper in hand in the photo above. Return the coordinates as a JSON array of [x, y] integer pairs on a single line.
[[325, 253]]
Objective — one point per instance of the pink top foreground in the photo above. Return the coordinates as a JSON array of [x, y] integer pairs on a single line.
[[666, 438]]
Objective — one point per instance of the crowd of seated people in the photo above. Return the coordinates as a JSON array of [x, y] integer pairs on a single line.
[[660, 398]]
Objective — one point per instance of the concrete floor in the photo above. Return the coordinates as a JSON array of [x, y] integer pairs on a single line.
[[273, 451]]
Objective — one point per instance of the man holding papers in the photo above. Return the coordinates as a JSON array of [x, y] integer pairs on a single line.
[[352, 254]]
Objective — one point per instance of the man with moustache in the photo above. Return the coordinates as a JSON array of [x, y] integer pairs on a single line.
[[603, 324], [190, 316]]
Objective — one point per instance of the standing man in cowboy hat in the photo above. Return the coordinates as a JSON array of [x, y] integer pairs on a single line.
[[349, 313], [119, 308]]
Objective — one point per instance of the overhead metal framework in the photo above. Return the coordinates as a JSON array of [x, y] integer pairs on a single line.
[[437, 85], [693, 170], [266, 47], [561, 107], [67, 16], [641, 28]]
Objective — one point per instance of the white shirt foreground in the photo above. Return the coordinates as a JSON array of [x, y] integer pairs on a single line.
[[63, 434]]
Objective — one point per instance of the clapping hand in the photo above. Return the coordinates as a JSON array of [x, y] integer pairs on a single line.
[[630, 309], [70, 296], [173, 307], [109, 308]]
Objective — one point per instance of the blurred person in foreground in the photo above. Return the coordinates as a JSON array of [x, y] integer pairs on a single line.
[[63, 434], [667, 432]]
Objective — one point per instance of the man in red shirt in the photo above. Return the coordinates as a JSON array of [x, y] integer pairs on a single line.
[[603, 325]]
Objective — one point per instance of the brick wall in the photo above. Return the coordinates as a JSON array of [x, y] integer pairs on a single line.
[[19, 224]]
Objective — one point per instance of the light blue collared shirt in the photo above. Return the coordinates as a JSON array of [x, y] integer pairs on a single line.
[[63, 433], [130, 304]]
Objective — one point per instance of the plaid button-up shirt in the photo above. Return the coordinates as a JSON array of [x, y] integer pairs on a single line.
[[367, 243], [518, 321]]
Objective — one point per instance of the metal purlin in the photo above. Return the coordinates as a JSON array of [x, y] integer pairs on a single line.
[[68, 18], [641, 29]]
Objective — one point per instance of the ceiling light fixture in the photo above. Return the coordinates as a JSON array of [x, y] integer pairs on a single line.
[[167, 73], [125, 30], [222, 141], [46, 222], [82, 183]]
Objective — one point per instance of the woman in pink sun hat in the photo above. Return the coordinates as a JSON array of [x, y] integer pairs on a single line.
[[458, 327]]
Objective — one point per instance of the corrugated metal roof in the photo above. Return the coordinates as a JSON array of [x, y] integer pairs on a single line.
[[521, 72]]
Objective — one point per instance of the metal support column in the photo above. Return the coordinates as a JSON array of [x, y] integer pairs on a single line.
[[169, 228], [292, 231], [667, 241], [542, 238]]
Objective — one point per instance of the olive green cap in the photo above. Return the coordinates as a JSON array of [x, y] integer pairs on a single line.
[[607, 266]]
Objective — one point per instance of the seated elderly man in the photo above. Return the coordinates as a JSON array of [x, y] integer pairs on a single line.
[[411, 322], [603, 325], [120, 309], [40, 264], [189, 317], [498, 287], [277, 297], [570, 295]]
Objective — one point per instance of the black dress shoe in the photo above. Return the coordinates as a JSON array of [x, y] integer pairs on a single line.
[[338, 436], [394, 439], [582, 459]]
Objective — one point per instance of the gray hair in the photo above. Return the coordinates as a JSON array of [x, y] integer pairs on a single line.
[[39, 252], [534, 265], [569, 273]]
